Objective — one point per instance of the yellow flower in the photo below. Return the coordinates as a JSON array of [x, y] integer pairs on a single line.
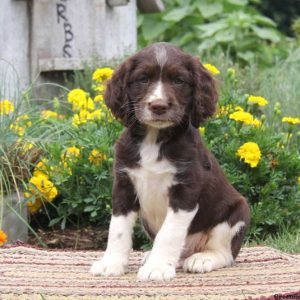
[[82, 117], [261, 101], [97, 114], [70, 153], [20, 125], [6, 107], [102, 74], [35, 206], [96, 157], [250, 152], [76, 95], [41, 185], [41, 169], [24, 120], [3, 238], [290, 120], [99, 98], [99, 88], [79, 100], [47, 114], [201, 130], [26, 146], [245, 117], [226, 109], [299, 179], [212, 69]]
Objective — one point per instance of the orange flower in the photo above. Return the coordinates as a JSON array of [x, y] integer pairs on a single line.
[[3, 238]]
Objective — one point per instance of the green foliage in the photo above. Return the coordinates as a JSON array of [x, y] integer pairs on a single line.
[[202, 27], [285, 240], [271, 187], [282, 12]]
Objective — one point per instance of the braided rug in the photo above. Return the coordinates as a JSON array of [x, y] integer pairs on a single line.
[[30, 273]]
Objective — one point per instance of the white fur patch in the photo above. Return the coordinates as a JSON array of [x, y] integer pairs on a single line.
[[161, 55], [168, 245], [152, 181], [115, 259], [217, 252], [158, 93]]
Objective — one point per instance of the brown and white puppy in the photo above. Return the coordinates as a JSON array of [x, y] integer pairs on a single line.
[[164, 173]]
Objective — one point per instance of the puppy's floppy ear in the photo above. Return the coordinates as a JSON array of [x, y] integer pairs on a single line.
[[205, 94], [116, 97]]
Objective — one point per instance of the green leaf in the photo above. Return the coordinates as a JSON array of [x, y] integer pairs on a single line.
[[177, 14], [207, 44], [54, 221], [186, 38], [262, 20], [152, 28], [208, 10], [211, 28], [238, 2], [266, 34], [94, 214], [225, 36], [89, 208], [246, 56]]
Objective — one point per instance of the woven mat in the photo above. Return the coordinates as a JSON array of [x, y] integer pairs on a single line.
[[259, 273]]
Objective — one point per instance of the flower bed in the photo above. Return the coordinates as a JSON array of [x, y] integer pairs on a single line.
[[70, 183]]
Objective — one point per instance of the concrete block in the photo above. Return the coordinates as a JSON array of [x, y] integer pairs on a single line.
[[14, 217]]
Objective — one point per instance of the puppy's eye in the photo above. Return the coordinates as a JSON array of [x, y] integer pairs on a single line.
[[144, 79], [178, 81]]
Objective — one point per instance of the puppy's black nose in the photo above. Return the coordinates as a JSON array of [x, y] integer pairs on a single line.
[[158, 107]]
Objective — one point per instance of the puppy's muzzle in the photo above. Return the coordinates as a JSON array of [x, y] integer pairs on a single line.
[[159, 107]]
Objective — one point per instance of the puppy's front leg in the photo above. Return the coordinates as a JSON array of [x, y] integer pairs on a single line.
[[168, 244], [115, 259]]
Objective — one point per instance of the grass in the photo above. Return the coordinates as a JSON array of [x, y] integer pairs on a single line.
[[285, 241]]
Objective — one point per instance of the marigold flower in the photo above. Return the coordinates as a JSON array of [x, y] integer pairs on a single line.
[[35, 206], [6, 107], [20, 125], [261, 101], [3, 238], [82, 117], [70, 153], [99, 88], [97, 114], [41, 169], [250, 153], [102, 74], [80, 101], [42, 186], [245, 117], [99, 98], [96, 157], [290, 120], [212, 69], [47, 114]]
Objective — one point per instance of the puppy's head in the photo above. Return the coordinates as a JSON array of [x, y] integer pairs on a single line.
[[161, 86]]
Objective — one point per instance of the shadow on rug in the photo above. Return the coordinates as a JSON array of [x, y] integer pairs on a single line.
[[259, 273]]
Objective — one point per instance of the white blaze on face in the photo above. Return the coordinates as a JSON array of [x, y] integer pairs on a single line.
[[158, 93], [161, 55]]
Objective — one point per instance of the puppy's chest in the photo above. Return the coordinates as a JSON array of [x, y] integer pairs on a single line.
[[152, 180]]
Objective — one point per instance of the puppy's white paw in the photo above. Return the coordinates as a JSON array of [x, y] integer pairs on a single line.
[[156, 271], [109, 266], [145, 257], [205, 262]]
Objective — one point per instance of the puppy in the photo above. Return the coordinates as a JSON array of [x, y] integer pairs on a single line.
[[164, 173]]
